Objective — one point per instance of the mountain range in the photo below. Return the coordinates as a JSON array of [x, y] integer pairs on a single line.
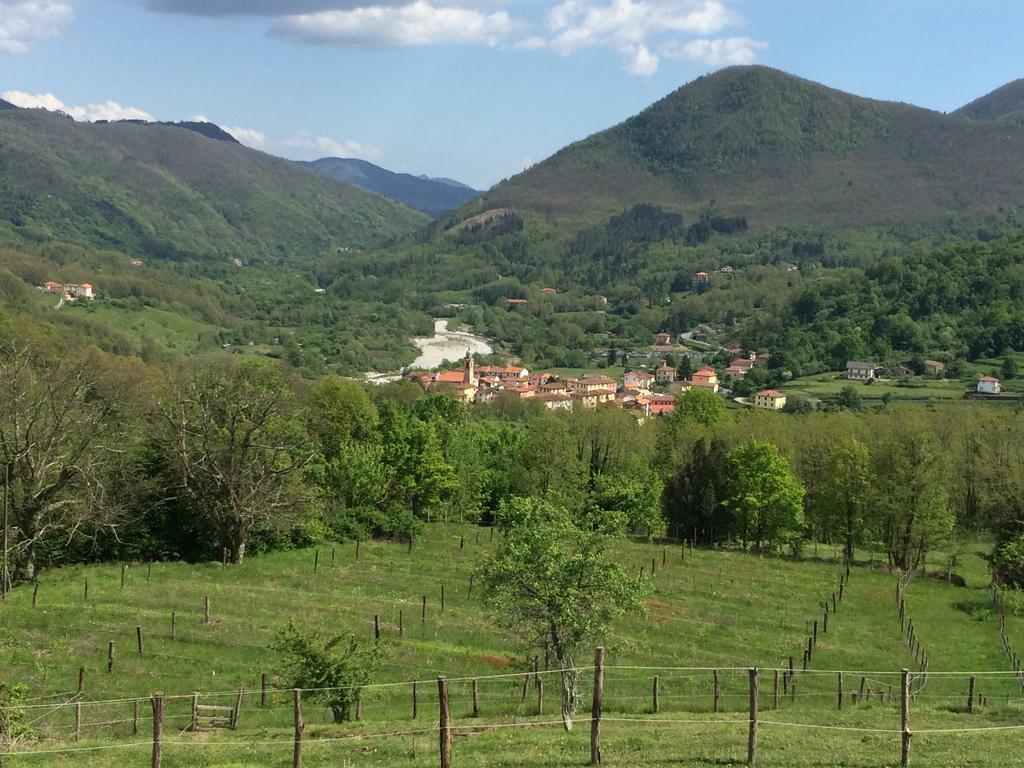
[[155, 190], [778, 149], [433, 197]]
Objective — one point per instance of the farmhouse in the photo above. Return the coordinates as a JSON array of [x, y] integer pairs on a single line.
[[706, 378], [554, 401], [69, 291], [989, 385], [640, 380], [665, 374], [770, 400], [934, 368], [663, 339], [861, 371]]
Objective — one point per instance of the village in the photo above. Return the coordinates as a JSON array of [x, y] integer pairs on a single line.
[[653, 391]]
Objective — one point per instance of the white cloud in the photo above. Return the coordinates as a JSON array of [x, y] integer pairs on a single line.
[[200, 119], [108, 110], [631, 27], [716, 53], [24, 22], [248, 136], [417, 23], [313, 147]]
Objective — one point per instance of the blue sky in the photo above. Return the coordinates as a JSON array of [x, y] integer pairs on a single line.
[[474, 89]]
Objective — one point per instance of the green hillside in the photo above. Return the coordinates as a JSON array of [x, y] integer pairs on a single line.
[[159, 191], [1005, 101], [779, 150], [711, 609]]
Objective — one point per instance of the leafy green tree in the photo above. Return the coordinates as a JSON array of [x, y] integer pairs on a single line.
[[764, 495], [693, 495], [332, 671], [700, 406], [240, 446], [847, 489], [849, 398], [340, 411], [636, 498], [1009, 369], [554, 581]]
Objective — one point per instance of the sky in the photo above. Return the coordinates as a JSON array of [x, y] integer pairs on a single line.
[[475, 90]]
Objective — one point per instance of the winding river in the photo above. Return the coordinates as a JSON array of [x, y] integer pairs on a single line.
[[434, 350]]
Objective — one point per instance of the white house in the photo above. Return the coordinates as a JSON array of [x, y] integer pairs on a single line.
[[861, 371], [989, 385], [770, 399]]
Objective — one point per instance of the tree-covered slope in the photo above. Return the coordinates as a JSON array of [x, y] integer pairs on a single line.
[[432, 196], [779, 150], [1005, 101], [159, 191]]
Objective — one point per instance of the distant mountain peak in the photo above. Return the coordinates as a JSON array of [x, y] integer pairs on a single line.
[[7, 105], [1005, 101], [434, 197]]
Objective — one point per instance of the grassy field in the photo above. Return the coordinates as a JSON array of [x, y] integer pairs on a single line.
[[919, 389], [709, 609], [175, 332]]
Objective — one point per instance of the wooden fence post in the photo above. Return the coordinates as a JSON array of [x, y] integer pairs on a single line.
[[445, 730], [138, 638], [442, 597], [316, 560], [123, 569], [905, 716], [78, 721], [158, 729], [401, 624], [655, 695], [423, 610], [540, 696], [595, 712], [173, 628], [469, 592], [814, 643], [35, 591], [206, 609], [415, 702], [86, 593], [775, 690], [149, 569], [970, 695], [717, 691], [135, 717], [476, 697], [81, 679], [824, 624], [357, 549], [195, 713], [110, 656], [839, 690], [237, 708], [376, 627], [752, 736], [299, 728], [263, 690]]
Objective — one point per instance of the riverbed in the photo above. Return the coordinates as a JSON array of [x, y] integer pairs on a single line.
[[434, 350]]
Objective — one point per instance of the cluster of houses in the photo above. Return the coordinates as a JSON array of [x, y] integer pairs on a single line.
[[68, 291], [485, 383], [867, 372]]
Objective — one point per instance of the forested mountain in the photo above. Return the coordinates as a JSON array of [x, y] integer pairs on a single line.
[[157, 191], [1005, 101], [432, 196], [778, 150]]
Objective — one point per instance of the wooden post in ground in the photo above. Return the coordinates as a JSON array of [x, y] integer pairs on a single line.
[[442, 597], [655, 695], [78, 721], [462, 542], [717, 691], [401, 625], [469, 592], [206, 609], [476, 698], [445, 729], [839, 691], [173, 634], [526, 685], [195, 713], [110, 656], [334, 553], [135, 717], [81, 679], [775, 690], [905, 717], [299, 728], [237, 708], [123, 569], [540, 696], [149, 569], [595, 711], [316, 561], [138, 638], [35, 591], [357, 549], [376, 627], [263, 690], [970, 695], [814, 642], [86, 593], [752, 735], [824, 624], [423, 611], [415, 699], [834, 605], [158, 729], [860, 691]]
